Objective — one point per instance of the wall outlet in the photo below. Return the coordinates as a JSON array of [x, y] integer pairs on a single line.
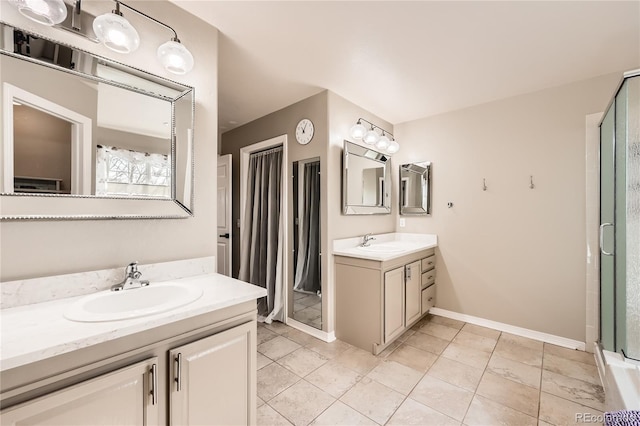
[[402, 222]]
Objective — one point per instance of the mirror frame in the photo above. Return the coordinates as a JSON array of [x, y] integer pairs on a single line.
[[21, 206], [424, 170], [351, 148]]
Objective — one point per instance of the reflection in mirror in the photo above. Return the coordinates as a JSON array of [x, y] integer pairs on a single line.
[[307, 283], [365, 181], [415, 193], [78, 125]]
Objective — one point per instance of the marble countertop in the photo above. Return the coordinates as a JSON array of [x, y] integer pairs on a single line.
[[35, 332], [403, 244]]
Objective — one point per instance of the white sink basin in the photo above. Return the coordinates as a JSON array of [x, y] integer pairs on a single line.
[[383, 248], [133, 303]]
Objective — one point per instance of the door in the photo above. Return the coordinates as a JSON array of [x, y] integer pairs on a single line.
[[412, 290], [393, 303], [224, 214], [213, 380], [123, 397]]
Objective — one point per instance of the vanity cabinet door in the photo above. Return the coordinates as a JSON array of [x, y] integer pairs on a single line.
[[413, 296], [213, 380], [122, 397], [393, 303]]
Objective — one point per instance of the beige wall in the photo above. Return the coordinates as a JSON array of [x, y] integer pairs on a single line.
[[510, 254], [342, 115], [32, 249], [282, 122], [332, 117]]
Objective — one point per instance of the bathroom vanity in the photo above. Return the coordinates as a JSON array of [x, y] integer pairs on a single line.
[[195, 364], [383, 289]]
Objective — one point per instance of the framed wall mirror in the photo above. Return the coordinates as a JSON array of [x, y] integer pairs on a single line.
[[85, 137], [415, 188], [307, 255], [366, 181]]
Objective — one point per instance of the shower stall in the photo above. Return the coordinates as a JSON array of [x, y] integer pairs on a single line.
[[620, 230]]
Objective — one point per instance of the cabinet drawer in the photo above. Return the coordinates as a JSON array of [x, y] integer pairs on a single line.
[[428, 278], [428, 298], [429, 262]]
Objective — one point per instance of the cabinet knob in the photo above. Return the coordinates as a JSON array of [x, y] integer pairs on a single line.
[[431, 298]]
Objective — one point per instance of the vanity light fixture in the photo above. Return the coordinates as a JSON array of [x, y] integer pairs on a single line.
[[111, 29], [115, 32], [384, 142], [45, 12], [173, 55]]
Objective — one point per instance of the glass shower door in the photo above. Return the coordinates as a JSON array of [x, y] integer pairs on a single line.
[[620, 221]]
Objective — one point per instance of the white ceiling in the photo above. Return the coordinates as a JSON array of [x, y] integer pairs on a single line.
[[408, 60]]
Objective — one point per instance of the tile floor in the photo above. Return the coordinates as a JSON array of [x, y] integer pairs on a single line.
[[441, 372]]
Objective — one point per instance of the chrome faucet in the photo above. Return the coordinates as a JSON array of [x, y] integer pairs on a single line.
[[365, 239], [131, 279]]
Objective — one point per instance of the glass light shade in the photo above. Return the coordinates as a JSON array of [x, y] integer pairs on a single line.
[[358, 131], [393, 147], [116, 33], [175, 58], [46, 12], [383, 142], [371, 137]]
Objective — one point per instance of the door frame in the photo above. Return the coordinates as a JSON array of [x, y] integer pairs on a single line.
[[229, 212], [81, 143], [245, 153]]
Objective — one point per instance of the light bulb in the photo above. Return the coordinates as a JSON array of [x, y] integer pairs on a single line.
[[175, 58], [357, 131], [371, 137], [46, 12], [393, 147], [383, 142], [116, 33]]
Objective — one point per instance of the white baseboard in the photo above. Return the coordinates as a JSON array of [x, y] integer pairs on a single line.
[[322, 335], [519, 331]]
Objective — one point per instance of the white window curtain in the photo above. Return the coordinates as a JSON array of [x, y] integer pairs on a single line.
[[122, 172]]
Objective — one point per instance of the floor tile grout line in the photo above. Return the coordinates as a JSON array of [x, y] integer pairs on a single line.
[[425, 373]]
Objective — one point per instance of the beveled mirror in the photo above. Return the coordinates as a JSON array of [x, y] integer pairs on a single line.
[[85, 137], [415, 193], [366, 181]]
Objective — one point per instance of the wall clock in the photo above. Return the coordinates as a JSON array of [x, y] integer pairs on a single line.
[[304, 131]]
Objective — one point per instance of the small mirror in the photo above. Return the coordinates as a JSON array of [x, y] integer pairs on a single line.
[[365, 181], [307, 283], [415, 193]]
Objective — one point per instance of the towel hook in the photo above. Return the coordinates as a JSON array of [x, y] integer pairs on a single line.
[[531, 185], [484, 184]]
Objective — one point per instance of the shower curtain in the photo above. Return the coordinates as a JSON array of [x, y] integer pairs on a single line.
[[261, 248], [307, 276]]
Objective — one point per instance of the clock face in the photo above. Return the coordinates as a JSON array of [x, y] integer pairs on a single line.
[[304, 131]]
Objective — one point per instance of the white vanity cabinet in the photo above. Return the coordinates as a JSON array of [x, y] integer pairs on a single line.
[[377, 301], [211, 379], [196, 371], [123, 397]]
